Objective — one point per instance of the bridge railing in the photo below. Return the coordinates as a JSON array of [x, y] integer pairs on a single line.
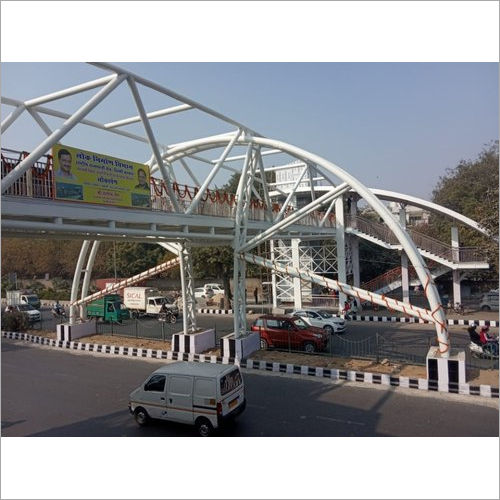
[[37, 182], [422, 241]]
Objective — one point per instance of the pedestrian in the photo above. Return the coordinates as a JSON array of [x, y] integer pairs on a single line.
[[256, 295]]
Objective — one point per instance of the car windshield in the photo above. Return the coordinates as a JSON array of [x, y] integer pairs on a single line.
[[324, 314], [32, 299], [300, 323]]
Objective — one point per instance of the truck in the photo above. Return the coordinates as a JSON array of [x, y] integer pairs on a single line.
[[144, 301], [18, 297], [108, 308]]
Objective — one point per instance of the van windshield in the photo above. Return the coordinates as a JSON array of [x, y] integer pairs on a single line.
[[230, 382]]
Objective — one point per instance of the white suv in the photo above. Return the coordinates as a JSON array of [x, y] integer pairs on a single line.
[[216, 288], [322, 319]]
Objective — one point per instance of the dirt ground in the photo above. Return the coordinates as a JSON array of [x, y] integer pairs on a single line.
[[476, 377]]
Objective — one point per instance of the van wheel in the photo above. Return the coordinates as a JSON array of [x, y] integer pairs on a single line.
[[485, 308], [263, 344], [141, 416], [204, 427], [328, 329], [309, 347]]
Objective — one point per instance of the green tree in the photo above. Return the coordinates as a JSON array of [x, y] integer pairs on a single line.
[[471, 188]]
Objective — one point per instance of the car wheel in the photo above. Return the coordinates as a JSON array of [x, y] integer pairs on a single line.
[[309, 347], [486, 308], [141, 416], [263, 344], [204, 427], [329, 329]]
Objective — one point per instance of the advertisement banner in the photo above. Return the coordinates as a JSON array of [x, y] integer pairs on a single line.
[[90, 177]]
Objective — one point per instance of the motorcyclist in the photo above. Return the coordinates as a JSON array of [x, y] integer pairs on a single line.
[[58, 309], [474, 336], [488, 341]]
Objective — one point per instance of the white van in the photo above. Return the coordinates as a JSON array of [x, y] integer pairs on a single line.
[[202, 394]]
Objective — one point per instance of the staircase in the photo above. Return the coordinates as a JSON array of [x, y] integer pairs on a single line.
[[430, 248], [391, 280]]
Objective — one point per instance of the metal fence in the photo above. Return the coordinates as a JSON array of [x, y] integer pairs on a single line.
[[140, 329], [379, 348]]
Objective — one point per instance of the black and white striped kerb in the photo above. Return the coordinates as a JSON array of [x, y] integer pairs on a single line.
[[313, 371], [214, 311], [181, 342], [228, 347], [398, 319]]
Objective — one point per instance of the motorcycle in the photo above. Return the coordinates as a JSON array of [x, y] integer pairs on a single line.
[[480, 350], [167, 316], [58, 312]]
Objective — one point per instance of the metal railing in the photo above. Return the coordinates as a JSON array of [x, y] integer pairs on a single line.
[[37, 182], [422, 241]]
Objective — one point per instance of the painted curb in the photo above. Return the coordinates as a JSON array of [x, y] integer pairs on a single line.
[[214, 311], [314, 371], [402, 319]]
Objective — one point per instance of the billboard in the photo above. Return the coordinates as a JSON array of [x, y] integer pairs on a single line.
[[90, 177]]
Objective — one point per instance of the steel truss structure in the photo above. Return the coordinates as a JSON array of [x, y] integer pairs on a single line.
[[239, 150]]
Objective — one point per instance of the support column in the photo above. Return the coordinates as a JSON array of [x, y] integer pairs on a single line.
[[457, 294], [405, 280], [76, 280], [86, 278], [354, 242], [297, 285], [273, 277], [340, 240], [187, 284]]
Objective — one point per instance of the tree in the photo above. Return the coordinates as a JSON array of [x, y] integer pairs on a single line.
[[471, 188]]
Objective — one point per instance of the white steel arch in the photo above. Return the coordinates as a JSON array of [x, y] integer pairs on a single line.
[[350, 182], [162, 159]]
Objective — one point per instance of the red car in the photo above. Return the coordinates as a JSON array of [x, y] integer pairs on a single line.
[[289, 332]]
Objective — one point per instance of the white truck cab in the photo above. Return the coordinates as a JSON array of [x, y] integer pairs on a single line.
[[205, 395]]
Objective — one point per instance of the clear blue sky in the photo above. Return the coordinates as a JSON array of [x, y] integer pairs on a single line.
[[395, 126]]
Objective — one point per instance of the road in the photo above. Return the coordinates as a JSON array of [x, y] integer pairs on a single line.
[[49, 392]]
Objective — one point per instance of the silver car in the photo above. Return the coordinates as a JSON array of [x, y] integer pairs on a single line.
[[322, 319]]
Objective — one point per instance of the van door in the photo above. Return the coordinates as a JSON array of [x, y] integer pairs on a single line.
[[153, 396], [180, 398], [205, 399]]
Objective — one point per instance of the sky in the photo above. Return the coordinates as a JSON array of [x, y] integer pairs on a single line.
[[395, 126]]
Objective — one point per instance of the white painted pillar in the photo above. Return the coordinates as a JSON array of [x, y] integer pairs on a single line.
[[76, 280], [354, 242], [457, 295], [297, 285], [405, 281], [273, 278], [340, 240]]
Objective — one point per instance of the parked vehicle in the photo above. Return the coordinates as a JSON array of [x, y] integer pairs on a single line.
[[202, 293], [215, 287], [108, 308], [144, 301], [289, 332], [322, 319], [202, 394], [16, 297], [33, 314], [489, 301]]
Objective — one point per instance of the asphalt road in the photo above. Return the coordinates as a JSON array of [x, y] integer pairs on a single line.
[[48, 392]]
